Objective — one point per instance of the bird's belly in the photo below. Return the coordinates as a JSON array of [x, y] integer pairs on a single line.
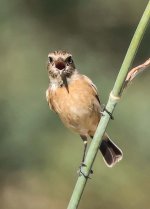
[[80, 121], [79, 113]]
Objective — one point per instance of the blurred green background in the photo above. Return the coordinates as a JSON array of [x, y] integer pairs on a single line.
[[38, 156]]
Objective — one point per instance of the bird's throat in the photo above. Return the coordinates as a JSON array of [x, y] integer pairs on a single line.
[[65, 82]]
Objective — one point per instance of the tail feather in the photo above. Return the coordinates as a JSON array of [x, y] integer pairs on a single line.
[[111, 153]]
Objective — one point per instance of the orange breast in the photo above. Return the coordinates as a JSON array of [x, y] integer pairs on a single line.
[[79, 108]]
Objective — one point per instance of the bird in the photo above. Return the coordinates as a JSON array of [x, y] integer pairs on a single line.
[[75, 99]]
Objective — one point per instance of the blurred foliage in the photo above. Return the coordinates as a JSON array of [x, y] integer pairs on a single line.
[[38, 156]]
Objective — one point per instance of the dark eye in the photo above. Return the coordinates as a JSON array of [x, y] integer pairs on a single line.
[[50, 59], [69, 60]]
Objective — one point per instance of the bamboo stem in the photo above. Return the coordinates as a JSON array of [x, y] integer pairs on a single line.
[[112, 101]]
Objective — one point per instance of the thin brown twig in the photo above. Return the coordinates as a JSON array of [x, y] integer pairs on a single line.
[[135, 71]]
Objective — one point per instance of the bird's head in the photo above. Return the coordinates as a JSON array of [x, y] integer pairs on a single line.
[[60, 65]]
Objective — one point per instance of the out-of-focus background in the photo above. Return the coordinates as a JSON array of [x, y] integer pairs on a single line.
[[38, 156]]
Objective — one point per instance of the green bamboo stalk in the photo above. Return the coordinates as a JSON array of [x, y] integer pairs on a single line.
[[112, 101], [138, 35]]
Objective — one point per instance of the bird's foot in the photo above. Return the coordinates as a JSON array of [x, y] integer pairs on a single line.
[[105, 110], [81, 173]]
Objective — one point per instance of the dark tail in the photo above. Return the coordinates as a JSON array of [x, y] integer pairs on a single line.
[[111, 153]]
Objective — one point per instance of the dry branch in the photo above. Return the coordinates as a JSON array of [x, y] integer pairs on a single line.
[[135, 71]]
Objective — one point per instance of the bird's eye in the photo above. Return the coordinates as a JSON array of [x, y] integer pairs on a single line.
[[69, 60], [50, 59]]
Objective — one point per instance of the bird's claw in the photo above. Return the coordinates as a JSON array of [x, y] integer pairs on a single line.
[[109, 113], [80, 172]]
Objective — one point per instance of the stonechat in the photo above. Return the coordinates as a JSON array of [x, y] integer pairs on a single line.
[[75, 99]]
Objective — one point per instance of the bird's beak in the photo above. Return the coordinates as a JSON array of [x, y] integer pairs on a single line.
[[60, 65]]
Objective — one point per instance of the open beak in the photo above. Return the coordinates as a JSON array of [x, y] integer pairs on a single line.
[[60, 65]]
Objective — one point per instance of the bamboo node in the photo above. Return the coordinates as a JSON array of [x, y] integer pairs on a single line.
[[114, 97]]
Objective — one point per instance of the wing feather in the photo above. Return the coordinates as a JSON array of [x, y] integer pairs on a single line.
[[48, 98], [93, 87]]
